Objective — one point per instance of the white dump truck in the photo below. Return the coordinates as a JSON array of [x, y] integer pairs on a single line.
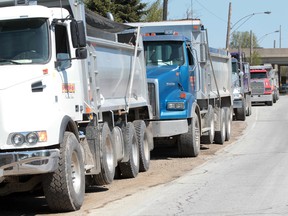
[[74, 101], [189, 85]]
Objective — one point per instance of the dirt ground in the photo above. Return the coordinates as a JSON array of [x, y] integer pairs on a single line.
[[165, 166]]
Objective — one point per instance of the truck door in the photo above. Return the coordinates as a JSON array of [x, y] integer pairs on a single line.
[[69, 72], [191, 66]]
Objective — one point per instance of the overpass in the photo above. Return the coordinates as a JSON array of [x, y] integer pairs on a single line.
[[278, 57]]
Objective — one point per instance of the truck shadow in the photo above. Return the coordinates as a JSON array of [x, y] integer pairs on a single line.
[[23, 204]]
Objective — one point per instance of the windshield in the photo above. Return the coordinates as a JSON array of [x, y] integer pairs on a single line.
[[258, 75], [164, 53], [24, 41]]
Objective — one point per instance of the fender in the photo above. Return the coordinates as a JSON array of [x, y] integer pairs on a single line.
[[68, 124], [195, 108]]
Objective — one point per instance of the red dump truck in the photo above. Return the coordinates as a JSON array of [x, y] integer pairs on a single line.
[[264, 84]]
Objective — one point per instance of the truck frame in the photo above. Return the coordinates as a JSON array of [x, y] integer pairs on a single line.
[[74, 101]]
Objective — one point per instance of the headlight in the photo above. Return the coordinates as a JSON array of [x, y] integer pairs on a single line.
[[237, 94], [32, 138], [175, 106], [18, 139]]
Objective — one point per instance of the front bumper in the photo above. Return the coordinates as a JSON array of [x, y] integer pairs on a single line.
[[28, 162], [261, 98]]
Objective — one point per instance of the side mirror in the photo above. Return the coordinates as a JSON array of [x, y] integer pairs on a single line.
[[78, 33], [63, 61], [81, 53]]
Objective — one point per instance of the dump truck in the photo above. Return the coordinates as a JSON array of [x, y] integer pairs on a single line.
[[74, 101], [189, 85], [241, 84], [264, 83]]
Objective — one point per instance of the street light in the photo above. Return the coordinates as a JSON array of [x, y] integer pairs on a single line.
[[247, 18], [261, 38]]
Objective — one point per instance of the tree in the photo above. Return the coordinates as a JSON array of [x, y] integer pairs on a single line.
[[122, 10], [242, 40], [154, 12]]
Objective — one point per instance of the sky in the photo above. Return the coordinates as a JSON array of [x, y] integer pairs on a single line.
[[214, 16]]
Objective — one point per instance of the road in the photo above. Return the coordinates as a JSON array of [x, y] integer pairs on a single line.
[[245, 176], [248, 178]]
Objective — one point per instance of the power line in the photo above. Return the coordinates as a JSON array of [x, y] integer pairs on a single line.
[[210, 11]]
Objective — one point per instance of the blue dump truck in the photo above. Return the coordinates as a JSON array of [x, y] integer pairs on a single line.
[[189, 85], [241, 85]]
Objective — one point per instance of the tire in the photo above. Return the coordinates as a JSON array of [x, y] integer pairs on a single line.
[[142, 139], [107, 157], [189, 143], [269, 103], [64, 189], [221, 134], [130, 169], [241, 112], [228, 122], [249, 108], [208, 138]]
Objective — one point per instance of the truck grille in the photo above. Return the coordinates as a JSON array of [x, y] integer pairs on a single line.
[[153, 98], [257, 87]]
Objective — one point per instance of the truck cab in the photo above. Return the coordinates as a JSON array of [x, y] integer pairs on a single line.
[[262, 88], [170, 71]]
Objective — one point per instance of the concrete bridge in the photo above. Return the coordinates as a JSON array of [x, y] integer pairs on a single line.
[[278, 57]]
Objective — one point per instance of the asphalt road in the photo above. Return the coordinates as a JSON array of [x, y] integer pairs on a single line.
[[249, 177]]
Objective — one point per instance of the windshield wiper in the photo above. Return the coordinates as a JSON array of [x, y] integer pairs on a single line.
[[9, 60]]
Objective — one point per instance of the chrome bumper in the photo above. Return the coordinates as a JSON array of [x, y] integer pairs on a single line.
[[28, 162], [261, 98]]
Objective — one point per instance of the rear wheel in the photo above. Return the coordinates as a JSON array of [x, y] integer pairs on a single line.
[[189, 143], [107, 157], [208, 138], [220, 135], [130, 168], [228, 122], [144, 151], [64, 189]]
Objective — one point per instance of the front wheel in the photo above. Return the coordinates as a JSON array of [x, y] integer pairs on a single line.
[[64, 189], [189, 143]]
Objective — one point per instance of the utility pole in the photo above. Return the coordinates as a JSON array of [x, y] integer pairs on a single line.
[[228, 27], [165, 9], [251, 48], [280, 37]]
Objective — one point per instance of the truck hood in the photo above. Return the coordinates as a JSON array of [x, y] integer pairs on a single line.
[[156, 71], [13, 75]]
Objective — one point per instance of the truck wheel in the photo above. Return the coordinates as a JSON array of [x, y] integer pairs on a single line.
[[221, 134], [64, 189], [130, 169], [144, 151], [249, 107], [189, 143], [107, 157], [209, 137], [269, 103], [241, 112], [228, 122]]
